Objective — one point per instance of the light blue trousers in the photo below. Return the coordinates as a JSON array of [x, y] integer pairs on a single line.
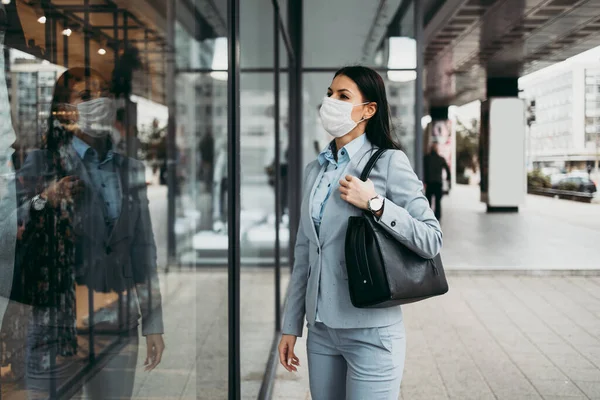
[[356, 364]]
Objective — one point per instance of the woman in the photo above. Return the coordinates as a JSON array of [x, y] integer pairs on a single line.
[[352, 353], [85, 222]]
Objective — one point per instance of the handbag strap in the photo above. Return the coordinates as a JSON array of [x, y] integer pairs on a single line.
[[372, 161]]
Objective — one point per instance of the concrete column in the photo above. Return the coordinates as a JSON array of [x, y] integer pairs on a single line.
[[502, 146]]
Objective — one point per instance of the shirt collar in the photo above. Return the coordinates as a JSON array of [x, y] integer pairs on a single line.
[[82, 148], [348, 150]]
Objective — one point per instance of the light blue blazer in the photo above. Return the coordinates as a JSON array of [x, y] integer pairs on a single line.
[[319, 279]]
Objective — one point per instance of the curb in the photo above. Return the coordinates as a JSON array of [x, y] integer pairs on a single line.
[[522, 272]]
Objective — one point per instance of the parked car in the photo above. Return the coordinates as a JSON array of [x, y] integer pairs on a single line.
[[578, 183], [549, 171], [555, 179]]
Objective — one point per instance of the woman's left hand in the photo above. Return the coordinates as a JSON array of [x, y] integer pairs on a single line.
[[155, 348], [357, 192]]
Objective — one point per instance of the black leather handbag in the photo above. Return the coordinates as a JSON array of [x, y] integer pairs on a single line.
[[382, 272]]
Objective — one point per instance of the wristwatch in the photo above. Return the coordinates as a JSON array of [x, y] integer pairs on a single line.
[[38, 203], [376, 204]]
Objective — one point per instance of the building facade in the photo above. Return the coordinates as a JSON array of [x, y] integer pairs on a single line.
[[566, 130]]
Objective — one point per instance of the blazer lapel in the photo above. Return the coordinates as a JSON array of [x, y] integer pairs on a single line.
[[319, 174]]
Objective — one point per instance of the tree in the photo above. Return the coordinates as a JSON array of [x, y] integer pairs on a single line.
[[467, 147], [154, 142]]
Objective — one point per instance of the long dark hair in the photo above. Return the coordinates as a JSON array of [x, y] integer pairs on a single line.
[[56, 135], [379, 127]]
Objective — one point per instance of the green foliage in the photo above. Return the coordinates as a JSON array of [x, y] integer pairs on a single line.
[[153, 140], [566, 185], [467, 147], [537, 180]]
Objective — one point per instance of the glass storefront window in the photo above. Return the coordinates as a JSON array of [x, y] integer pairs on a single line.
[[133, 248]]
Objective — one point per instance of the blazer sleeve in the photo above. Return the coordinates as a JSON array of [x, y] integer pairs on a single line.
[[406, 214], [143, 259], [295, 306]]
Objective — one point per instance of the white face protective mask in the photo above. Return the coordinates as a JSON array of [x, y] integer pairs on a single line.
[[97, 117], [336, 116]]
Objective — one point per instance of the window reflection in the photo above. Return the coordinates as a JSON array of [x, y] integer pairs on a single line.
[[86, 254]]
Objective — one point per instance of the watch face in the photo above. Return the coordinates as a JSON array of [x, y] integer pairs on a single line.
[[376, 204], [39, 204]]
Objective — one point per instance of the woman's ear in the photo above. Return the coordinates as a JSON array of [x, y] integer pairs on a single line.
[[370, 110]]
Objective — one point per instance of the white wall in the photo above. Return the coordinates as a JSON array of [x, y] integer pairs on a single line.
[[507, 125]]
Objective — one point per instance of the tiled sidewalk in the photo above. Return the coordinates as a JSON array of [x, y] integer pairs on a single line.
[[512, 326], [496, 337]]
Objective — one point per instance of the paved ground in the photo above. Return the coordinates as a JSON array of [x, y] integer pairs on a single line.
[[546, 234], [495, 335], [508, 328]]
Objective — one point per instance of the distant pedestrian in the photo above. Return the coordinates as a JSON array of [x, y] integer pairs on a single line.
[[434, 164]]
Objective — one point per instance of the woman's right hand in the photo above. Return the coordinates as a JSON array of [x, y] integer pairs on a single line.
[[68, 187], [287, 358]]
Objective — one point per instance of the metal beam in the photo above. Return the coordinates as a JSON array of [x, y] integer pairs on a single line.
[[82, 9], [440, 19], [278, 208], [233, 196], [282, 30], [171, 134], [118, 27], [419, 142], [295, 143]]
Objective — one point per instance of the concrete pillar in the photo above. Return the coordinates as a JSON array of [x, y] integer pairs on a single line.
[[502, 146]]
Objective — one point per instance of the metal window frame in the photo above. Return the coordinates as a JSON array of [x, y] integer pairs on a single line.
[[419, 140], [233, 197]]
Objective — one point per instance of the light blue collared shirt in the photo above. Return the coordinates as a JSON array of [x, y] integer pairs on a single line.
[[105, 177], [334, 170]]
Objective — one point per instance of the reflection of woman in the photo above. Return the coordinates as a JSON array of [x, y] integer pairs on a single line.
[[8, 216], [353, 353], [85, 221]]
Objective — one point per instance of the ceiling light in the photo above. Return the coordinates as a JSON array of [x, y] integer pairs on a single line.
[[402, 53], [6, 2], [42, 19], [219, 61], [67, 32], [402, 76], [101, 51]]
